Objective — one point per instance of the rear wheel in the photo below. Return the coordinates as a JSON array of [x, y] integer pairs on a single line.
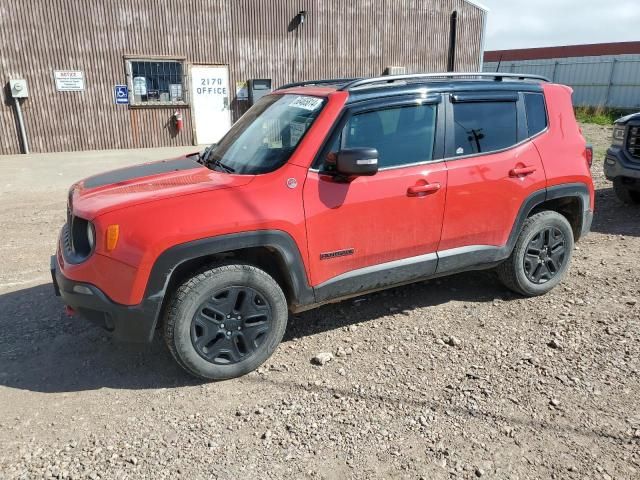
[[541, 256], [628, 193], [226, 321]]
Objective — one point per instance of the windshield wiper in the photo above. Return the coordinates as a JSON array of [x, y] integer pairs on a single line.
[[203, 156], [218, 163], [206, 158]]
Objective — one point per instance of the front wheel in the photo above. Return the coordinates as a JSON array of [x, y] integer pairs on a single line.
[[541, 256], [226, 321]]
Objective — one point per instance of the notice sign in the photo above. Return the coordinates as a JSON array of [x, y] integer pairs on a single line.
[[175, 92], [139, 86], [69, 80]]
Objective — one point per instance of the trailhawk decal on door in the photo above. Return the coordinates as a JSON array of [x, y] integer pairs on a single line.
[[337, 253]]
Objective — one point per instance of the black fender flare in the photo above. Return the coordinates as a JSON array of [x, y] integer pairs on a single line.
[[570, 190], [280, 241]]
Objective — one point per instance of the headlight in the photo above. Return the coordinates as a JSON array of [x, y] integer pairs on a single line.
[[618, 135], [91, 235]]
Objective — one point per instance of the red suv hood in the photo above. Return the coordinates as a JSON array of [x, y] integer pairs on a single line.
[[129, 186]]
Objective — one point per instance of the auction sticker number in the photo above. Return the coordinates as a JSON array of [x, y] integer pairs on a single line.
[[306, 103]]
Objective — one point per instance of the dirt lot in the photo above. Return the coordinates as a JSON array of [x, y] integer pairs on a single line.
[[448, 378]]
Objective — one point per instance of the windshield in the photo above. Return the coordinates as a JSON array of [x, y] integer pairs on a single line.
[[267, 135]]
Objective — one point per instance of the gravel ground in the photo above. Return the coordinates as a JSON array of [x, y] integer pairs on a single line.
[[448, 378]]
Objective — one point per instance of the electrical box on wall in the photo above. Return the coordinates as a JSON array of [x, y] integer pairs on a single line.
[[258, 88], [19, 88]]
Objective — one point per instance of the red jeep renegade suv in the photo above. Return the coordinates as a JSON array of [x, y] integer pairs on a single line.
[[322, 191]]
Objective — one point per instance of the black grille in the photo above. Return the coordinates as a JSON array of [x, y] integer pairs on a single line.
[[633, 142], [66, 242]]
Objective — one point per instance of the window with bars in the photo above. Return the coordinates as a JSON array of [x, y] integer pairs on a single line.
[[156, 82]]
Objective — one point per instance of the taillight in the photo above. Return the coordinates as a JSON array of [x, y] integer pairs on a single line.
[[588, 155]]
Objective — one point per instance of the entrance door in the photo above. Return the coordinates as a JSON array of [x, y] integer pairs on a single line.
[[210, 102]]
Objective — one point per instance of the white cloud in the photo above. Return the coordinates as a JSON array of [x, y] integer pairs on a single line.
[[547, 23]]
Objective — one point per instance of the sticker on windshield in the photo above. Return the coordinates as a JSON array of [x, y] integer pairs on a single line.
[[306, 103], [296, 130]]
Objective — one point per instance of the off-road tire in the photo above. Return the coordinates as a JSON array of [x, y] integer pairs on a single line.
[[625, 193], [190, 296], [512, 272]]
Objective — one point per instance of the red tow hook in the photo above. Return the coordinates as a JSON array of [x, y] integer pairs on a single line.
[[69, 311]]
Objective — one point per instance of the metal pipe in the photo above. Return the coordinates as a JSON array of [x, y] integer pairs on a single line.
[[453, 31], [23, 132]]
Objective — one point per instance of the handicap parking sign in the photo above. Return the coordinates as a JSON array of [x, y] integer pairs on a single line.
[[121, 94]]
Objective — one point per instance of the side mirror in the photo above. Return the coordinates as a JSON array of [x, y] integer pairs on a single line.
[[357, 162]]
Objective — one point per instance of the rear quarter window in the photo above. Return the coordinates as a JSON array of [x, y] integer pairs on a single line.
[[536, 113]]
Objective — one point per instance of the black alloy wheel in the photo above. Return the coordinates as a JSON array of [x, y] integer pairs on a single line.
[[541, 256], [231, 325], [545, 255]]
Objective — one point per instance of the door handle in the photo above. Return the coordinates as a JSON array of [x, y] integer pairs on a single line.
[[522, 171], [418, 190]]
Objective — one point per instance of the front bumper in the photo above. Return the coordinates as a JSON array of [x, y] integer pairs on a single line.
[[127, 323], [618, 164]]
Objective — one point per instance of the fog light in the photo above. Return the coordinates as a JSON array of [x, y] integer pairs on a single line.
[[609, 161], [82, 289]]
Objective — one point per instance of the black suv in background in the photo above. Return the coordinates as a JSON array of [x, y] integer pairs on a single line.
[[622, 163]]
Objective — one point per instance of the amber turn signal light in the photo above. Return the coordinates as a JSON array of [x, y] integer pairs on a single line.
[[113, 232]]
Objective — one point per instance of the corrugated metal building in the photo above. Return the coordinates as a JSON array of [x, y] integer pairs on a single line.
[[195, 57], [605, 75]]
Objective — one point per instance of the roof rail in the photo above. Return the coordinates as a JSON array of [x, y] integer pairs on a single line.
[[319, 82], [496, 76]]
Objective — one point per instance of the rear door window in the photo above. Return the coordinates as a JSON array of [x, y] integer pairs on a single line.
[[482, 127]]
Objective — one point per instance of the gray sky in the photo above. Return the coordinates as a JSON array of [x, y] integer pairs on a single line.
[[545, 23]]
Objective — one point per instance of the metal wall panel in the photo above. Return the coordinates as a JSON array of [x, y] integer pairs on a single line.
[[609, 80], [254, 37]]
